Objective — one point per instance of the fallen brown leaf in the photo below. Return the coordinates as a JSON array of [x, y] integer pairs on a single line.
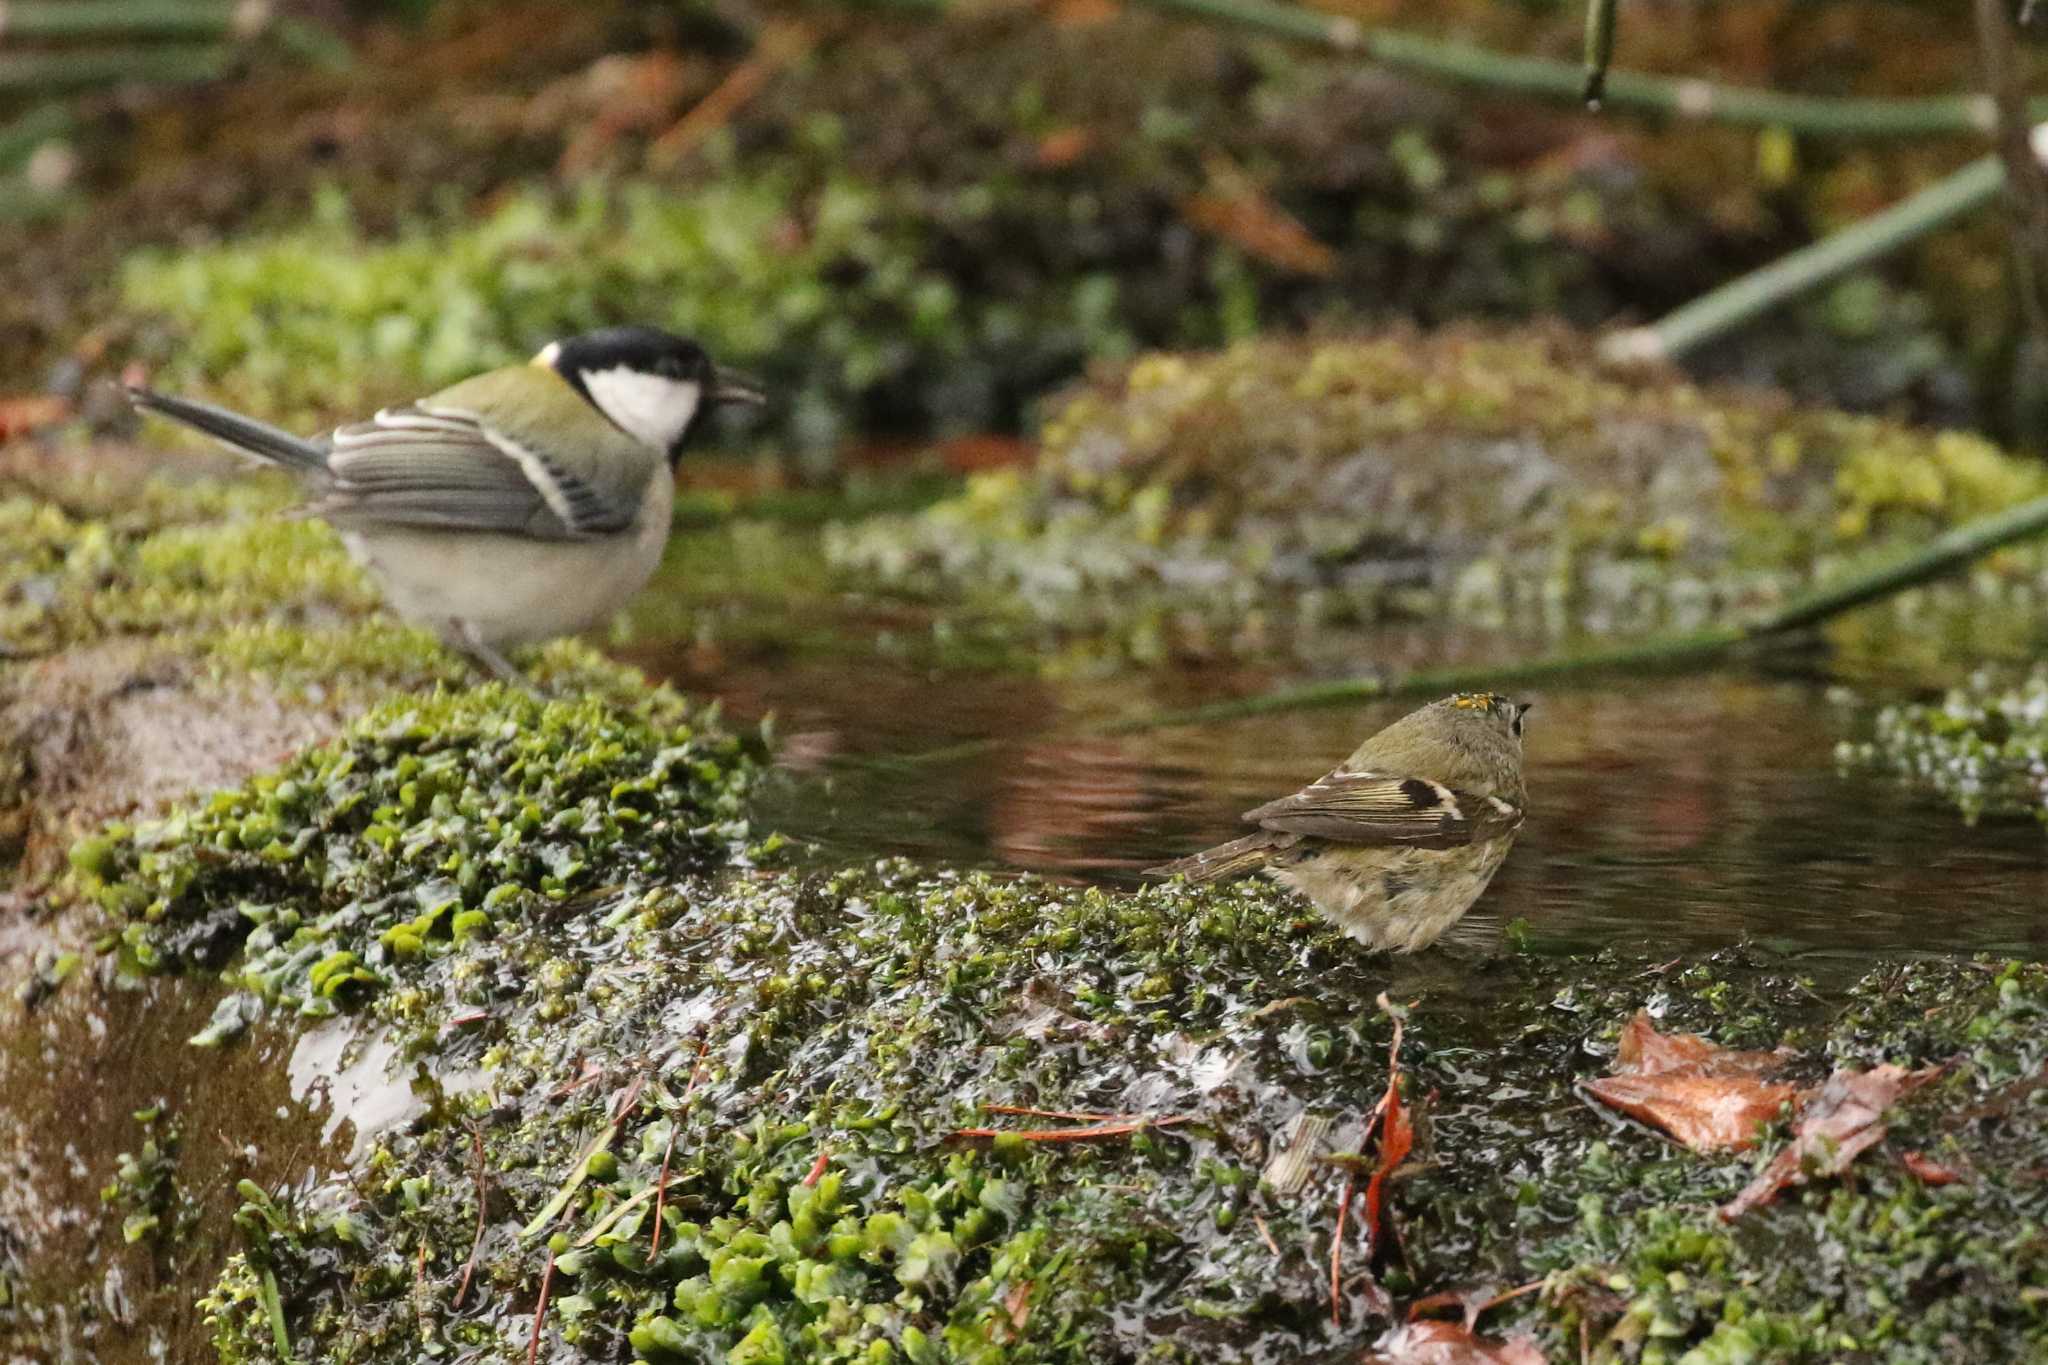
[[1235, 208], [1017, 1305], [1064, 146], [620, 94], [1081, 13], [1446, 1343], [1397, 1139], [1709, 1097], [1470, 1302], [1839, 1124], [1397, 1136], [779, 44], [1927, 1170], [973, 454]]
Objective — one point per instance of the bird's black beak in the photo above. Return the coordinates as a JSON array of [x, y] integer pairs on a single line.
[[1522, 709], [730, 386]]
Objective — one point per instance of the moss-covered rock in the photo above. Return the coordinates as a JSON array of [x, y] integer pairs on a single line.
[[856, 1103], [426, 823], [1497, 478]]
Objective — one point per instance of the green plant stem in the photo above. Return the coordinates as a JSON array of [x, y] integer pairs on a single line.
[[47, 72], [1677, 96], [1599, 49], [273, 1309], [602, 1142], [1722, 310], [47, 19], [1947, 552]]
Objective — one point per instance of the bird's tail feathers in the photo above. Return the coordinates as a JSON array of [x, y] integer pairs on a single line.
[[246, 435], [1233, 859]]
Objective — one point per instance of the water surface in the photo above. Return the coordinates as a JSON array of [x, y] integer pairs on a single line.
[[1668, 814]]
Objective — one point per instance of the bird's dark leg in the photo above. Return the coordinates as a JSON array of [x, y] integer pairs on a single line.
[[474, 645]]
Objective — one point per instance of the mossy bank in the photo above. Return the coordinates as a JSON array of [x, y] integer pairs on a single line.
[[167, 629], [764, 1113], [1262, 495], [612, 1008]]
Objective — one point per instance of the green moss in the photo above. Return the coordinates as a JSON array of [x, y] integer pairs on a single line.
[[821, 287], [1983, 748], [366, 852], [198, 558], [1277, 488], [799, 1050], [143, 1189]]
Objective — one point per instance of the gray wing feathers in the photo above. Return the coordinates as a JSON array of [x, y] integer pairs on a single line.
[[444, 470]]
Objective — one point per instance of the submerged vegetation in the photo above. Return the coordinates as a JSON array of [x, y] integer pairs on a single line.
[[1983, 748]]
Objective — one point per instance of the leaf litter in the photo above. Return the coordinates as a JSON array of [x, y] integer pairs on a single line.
[[1841, 1122], [1711, 1098], [1716, 1099]]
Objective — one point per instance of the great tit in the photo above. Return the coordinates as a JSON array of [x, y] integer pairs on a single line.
[[1397, 843], [525, 503]]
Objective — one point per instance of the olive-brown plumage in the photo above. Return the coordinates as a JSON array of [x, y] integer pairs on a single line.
[[1398, 842]]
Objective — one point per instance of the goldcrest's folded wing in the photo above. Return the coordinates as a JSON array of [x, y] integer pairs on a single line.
[[1387, 808]]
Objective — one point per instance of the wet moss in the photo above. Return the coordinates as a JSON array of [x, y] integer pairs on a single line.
[[1983, 748], [1496, 477], [1885, 1265], [179, 556], [143, 1189], [425, 823]]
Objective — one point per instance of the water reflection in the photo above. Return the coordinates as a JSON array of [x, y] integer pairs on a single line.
[[1667, 814]]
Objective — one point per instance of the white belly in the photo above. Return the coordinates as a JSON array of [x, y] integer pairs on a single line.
[[512, 591]]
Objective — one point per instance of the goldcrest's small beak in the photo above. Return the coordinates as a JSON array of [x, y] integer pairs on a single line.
[[1522, 709], [730, 386]]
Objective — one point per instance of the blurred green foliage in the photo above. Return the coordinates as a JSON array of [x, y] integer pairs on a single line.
[[826, 294]]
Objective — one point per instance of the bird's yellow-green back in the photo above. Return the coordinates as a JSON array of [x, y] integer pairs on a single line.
[[1471, 741], [530, 404]]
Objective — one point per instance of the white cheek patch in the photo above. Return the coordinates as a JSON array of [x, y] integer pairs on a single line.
[[653, 409]]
